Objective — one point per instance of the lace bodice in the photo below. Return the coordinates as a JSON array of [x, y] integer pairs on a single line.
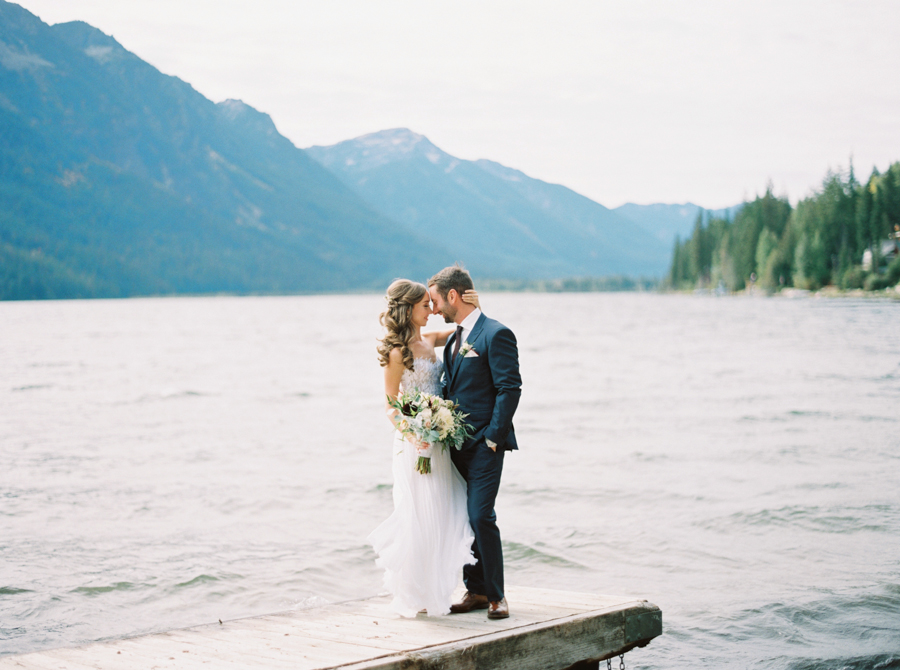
[[425, 376]]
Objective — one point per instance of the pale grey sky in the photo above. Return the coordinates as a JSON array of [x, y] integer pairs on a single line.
[[621, 100]]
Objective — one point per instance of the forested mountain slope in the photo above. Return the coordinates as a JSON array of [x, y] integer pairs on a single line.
[[119, 180]]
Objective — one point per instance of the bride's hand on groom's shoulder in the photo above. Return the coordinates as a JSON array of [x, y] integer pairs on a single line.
[[471, 297]]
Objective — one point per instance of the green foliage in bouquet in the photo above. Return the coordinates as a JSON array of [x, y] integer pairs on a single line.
[[432, 420]]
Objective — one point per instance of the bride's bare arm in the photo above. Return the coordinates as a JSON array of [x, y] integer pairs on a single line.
[[440, 336], [393, 371]]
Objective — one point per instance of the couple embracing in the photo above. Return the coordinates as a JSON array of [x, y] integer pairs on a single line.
[[444, 521]]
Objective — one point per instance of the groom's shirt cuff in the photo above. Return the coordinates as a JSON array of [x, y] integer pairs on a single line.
[[492, 445]]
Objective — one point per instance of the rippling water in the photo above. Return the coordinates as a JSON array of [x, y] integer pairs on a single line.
[[169, 462]]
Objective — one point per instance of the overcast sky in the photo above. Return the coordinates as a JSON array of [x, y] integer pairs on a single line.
[[621, 100]]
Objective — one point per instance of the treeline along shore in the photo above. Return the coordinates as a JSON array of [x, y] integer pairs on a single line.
[[846, 234]]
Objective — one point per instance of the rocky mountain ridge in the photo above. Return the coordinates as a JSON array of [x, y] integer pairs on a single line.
[[119, 180], [500, 221]]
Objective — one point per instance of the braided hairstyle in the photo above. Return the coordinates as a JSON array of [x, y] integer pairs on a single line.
[[402, 295]]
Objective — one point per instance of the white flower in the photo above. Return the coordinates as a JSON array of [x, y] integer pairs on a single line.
[[445, 421], [425, 417], [465, 348]]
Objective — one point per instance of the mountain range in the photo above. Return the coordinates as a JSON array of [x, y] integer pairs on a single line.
[[502, 222], [118, 180]]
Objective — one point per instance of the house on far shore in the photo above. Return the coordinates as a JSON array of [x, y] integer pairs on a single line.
[[889, 250]]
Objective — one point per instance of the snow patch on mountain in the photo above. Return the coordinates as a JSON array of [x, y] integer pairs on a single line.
[[99, 53], [15, 60], [501, 171], [381, 148]]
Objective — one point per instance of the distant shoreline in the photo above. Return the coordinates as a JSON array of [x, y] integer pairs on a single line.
[[790, 293], [577, 285]]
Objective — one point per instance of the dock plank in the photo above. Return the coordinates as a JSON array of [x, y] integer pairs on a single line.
[[47, 661], [258, 642], [248, 652], [375, 636], [566, 599], [547, 630], [160, 652], [522, 612]]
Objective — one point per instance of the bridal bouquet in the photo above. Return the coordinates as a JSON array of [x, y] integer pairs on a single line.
[[431, 420]]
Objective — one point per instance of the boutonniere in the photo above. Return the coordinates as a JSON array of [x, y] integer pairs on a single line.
[[464, 349]]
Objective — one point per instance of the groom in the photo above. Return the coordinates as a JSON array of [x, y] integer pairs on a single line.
[[481, 375]]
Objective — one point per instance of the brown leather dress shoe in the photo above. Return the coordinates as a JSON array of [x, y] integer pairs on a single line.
[[498, 609], [471, 601]]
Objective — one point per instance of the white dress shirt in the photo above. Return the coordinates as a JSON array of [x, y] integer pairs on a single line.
[[467, 325]]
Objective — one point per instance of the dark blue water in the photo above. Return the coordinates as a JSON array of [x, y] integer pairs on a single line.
[[169, 462]]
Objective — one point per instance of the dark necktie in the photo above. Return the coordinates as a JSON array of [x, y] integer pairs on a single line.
[[456, 344]]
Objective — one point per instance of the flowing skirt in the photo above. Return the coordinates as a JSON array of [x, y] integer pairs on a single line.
[[425, 543]]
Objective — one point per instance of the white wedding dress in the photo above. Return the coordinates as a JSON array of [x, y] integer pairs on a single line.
[[424, 544]]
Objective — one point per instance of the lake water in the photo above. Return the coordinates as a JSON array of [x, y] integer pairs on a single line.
[[736, 461]]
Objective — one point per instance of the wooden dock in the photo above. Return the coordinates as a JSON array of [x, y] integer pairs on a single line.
[[547, 630]]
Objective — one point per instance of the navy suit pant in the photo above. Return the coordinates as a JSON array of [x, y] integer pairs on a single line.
[[481, 467]]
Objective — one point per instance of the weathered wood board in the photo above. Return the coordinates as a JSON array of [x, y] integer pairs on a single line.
[[547, 630]]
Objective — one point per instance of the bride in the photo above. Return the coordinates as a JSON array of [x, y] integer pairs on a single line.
[[427, 540]]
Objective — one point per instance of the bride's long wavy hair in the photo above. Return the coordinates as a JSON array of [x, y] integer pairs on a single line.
[[402, 295]]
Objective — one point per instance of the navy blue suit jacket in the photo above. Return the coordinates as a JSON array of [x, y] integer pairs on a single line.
[[486, 384]]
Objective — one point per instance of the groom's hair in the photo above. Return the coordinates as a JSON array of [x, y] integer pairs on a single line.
[[453, 277]]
